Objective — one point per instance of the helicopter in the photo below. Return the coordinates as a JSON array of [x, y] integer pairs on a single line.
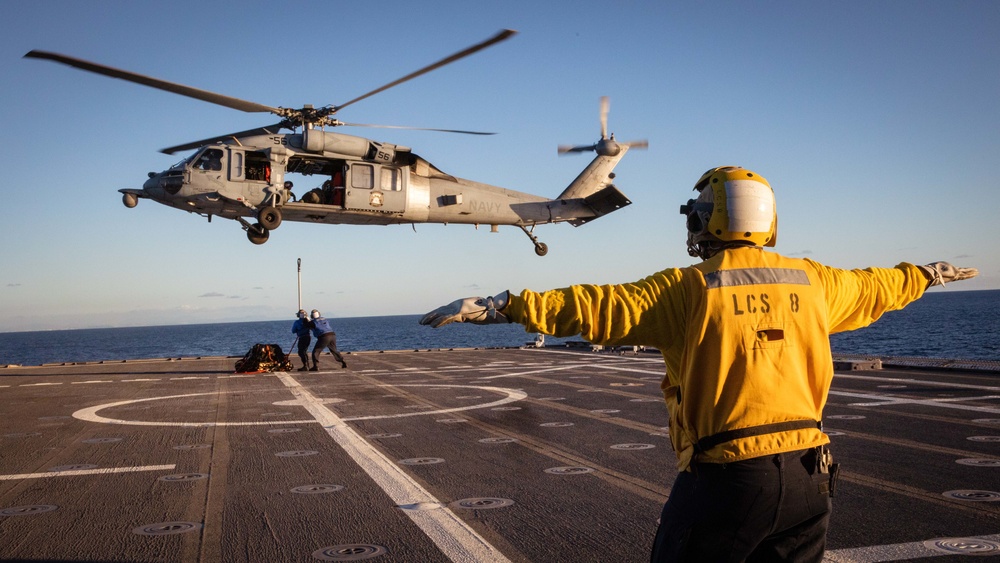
[[241, 176]]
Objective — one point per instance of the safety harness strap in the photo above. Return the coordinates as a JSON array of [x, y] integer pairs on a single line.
[[709, 442]]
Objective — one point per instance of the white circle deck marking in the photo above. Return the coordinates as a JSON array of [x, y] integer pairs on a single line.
[[90, 414]]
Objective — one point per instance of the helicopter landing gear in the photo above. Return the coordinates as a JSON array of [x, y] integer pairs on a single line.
[[256, 233], [269, 217], [541, 248]]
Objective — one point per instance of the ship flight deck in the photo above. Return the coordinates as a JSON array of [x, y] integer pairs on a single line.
[[541, 455]]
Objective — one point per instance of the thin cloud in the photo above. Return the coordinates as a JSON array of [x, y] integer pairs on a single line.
[[212, 294]]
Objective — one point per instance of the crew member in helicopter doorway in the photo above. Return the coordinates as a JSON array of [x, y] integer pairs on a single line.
[[325, 338]]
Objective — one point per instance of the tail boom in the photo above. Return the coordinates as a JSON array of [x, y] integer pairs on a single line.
[[594, 178]]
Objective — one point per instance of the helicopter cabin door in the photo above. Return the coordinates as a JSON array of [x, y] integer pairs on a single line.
[[373, 187], [252, 166]]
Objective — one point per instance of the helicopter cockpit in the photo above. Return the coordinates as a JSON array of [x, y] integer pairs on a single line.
[[208, 159]]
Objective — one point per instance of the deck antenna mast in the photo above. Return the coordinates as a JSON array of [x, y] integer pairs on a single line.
[[300, 283]]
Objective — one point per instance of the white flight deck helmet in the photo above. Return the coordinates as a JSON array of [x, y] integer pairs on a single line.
[[315, 314], [735, 207], [302, 314]]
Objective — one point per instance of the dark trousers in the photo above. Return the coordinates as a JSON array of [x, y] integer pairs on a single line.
[[304, 349], [771, 508], [326, 340]]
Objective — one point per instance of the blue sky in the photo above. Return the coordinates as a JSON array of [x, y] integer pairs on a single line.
[[877, 124]]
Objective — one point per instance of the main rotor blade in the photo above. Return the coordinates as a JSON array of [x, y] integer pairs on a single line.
[[415, 128], [464, 53], [188, 91], [268, 130]]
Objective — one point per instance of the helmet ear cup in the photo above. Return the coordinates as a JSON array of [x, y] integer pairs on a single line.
[[694, 223], [697, 216]]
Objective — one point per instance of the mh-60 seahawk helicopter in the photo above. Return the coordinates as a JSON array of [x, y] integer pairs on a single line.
[[364, 182]]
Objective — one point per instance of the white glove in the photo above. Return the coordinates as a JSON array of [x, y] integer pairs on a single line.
[[940, 272], [478, 310]]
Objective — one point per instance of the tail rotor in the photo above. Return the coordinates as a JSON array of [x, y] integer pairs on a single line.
[[607, 145]]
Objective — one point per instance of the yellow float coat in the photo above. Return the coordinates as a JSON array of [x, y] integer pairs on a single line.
[[744, 335]]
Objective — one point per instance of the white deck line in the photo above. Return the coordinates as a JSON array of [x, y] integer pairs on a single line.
[[453, 537], [76, 472]]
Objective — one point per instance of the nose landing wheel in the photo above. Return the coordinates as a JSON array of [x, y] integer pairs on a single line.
[[256, 233]]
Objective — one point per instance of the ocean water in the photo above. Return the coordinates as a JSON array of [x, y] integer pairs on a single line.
[[947, 324], [942, 324], [402, 332]]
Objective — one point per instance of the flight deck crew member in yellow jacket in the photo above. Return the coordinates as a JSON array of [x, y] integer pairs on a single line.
[[745, 338]]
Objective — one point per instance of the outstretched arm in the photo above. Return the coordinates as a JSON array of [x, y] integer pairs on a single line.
[[646, 312], [857, 298]]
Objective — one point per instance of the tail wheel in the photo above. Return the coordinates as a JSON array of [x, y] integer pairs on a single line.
[[541, 248], [270, 218], [258, 234]]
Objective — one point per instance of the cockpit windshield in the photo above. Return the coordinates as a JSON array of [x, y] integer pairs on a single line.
[[193, 158], [208, 158]]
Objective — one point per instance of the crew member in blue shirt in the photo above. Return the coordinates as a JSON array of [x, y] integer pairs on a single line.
[[301, 328], [325, 338]]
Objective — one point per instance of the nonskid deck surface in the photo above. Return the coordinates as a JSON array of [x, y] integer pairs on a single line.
[[462, 455]]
